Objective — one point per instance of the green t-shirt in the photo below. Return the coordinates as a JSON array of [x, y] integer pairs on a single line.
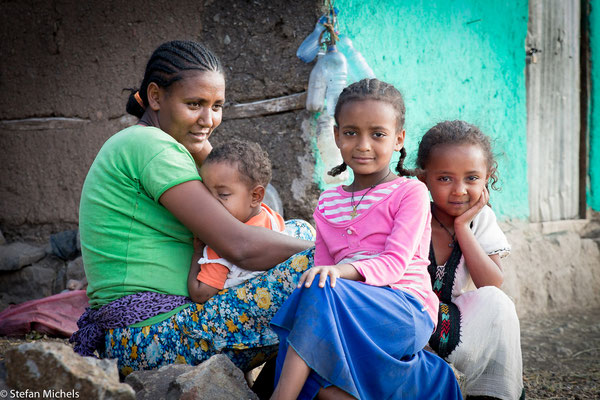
[[129, 241]]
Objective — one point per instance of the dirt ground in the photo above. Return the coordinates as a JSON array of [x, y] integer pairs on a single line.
[[561, 354]]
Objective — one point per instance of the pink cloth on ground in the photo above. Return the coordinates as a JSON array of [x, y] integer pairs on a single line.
[[55, 315]]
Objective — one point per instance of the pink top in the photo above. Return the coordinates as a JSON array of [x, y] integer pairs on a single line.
[[387, 242]]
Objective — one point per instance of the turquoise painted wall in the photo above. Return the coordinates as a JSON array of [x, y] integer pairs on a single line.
[[594, 140], [453, 59]]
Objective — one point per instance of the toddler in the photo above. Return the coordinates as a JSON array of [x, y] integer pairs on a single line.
[[236, 173]]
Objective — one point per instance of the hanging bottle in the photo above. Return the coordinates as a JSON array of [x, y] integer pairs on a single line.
[[337, 73], [310, 46], [317, 85], [357, 65], [328, 151]]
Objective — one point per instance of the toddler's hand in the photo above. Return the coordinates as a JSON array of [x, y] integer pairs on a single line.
[[467, 216], [324, 270], [198, 246]]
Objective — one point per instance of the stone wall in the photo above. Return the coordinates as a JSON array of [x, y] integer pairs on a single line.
[[553, 266], [64, 66]]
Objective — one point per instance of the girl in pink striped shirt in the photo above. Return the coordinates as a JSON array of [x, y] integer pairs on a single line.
[[359, 331]]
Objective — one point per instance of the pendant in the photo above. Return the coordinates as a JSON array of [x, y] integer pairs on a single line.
[[451, 244], [353, 213]]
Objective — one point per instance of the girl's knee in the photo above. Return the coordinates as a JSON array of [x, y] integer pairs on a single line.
[[501, 304]]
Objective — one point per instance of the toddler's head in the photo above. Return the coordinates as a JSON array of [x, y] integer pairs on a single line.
[[379, 91], [237, 173]]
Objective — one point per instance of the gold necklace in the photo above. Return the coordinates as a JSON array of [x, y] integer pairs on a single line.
[[354, 213], [452, 235]]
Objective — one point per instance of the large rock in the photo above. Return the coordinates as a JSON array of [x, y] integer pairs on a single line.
[[215, 379], [16, 255], [154, 384], [75, 269], [42, 279], [55, 368]]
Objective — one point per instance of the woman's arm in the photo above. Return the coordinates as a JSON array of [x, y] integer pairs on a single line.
[[485, 270], [249, 247]]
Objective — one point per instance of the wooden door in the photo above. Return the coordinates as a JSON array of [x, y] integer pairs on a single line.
[[553, 82]]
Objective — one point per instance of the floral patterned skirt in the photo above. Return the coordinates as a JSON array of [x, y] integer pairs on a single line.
[[234, 322]]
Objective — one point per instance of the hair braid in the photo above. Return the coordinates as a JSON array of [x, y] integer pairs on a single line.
[[400, 166], [338, 169]]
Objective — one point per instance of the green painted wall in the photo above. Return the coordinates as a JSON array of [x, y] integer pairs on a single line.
[[453, 59], [594, 140]]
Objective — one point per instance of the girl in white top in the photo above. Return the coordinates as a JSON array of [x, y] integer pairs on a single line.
[[478, 328]]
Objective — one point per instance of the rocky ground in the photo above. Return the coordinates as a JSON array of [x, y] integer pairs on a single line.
[[561, 355]]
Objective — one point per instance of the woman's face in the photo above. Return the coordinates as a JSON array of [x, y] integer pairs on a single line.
[[191, 108]]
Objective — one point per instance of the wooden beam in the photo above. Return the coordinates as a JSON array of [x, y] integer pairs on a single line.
[[266, 107], [40, 124]]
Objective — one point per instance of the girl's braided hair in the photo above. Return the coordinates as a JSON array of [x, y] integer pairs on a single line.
[[373, 89], [165, 67], [453, 133]]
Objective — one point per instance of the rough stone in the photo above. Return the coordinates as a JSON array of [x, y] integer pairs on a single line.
[[216, 379], [39, 280], [50, 366], [3, 385], [16, 255], [75, 269], [154, 384]]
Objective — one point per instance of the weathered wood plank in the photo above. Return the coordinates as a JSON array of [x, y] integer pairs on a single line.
[[266, 107], [40, 124], [553, 110]]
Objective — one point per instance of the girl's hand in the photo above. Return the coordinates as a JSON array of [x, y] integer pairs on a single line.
[[466, 218], [324, 270]]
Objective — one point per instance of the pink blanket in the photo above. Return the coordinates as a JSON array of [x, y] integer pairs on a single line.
[[54, 315]]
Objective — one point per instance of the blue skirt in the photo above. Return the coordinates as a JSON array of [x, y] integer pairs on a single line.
[[364, 339]]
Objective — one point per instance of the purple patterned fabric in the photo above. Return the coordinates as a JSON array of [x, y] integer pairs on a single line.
[[127, 310]]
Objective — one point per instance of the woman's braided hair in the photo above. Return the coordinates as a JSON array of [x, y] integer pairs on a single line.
[[456, 133], [373, 89], [165, 67]]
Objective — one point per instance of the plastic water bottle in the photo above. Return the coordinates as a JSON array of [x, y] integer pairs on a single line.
[[310, 46], [317, 85], [330, 154], [337, 73], [357, 65]]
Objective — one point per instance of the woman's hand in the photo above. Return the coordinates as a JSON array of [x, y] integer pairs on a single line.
[[346, 271], [466, 218]]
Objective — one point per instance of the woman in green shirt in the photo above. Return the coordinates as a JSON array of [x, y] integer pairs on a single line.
[[143, 203]]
